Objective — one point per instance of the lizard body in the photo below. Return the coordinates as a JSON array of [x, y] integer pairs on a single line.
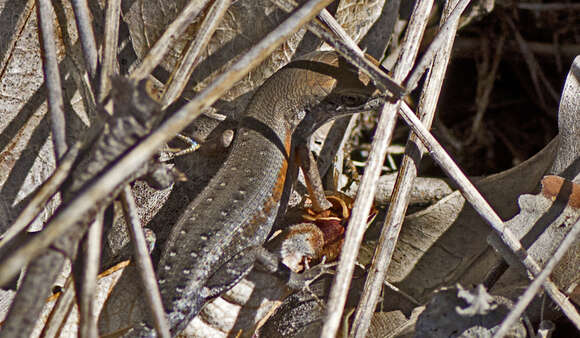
[[209, 248]]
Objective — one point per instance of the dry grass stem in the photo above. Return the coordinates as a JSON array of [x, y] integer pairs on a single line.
[[60, 311], [536, 73], [367, 188], [9, 47], [337, 29], [380, 78], [413, 79], [403, 187], [468, 47], [189, 60], [188, 14], [84, 23], [144, 264], [485, 83], [548, 7], [89, 269], [109, 63], [52, 76], [359, 215]]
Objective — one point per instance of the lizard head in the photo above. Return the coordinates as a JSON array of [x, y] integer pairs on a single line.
[[334, 88], [308, 92]]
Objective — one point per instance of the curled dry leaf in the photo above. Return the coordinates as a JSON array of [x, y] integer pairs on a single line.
[[444, 243], [542, 224], [333, 223], [546, 218], [319, 237]]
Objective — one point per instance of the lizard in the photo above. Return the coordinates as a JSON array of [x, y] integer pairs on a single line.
[[212, 245]]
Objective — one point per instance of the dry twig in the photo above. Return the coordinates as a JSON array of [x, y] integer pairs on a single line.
[[181, 74], [188, 14], [87, 264], [536, 73], [403, 186], [367, 187], [485, 83], [86, 35], [52, 76], [112, 17], [413, 79], [144, 264]]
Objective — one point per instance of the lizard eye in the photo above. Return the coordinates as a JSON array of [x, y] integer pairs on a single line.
[[351, 100]]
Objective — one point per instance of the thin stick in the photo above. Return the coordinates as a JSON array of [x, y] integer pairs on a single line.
[[52, 77], [533, 289], [44, 193], [173, 31], [65, 299], [144, 264], [367, 188], [359, 216], [86, 298], [184, 69], [123, 169], [413, 79], [86, 34], [484, 209], [403, 187], [112, 17], [337, 29]]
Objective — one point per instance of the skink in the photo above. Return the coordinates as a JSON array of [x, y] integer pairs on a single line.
[[210, 247]]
